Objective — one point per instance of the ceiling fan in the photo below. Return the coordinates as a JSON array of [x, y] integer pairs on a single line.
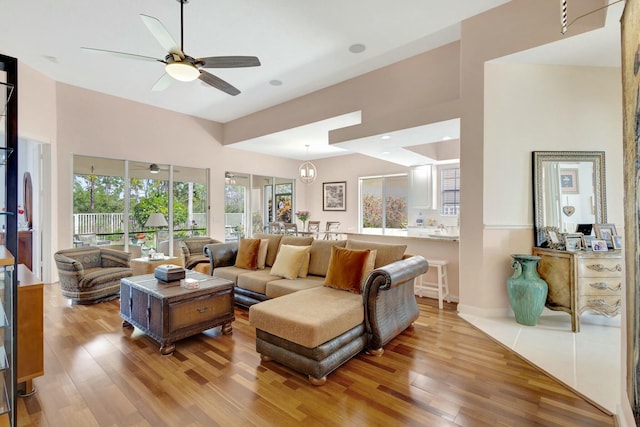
[[180, 66], [153, 168]]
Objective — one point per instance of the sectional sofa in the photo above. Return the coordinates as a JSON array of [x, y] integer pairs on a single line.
[[344, 297]]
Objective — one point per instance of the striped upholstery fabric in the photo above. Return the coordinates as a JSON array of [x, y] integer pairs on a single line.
[[92, 274], [193, 250]]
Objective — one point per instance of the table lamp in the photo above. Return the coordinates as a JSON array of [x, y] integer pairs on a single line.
[[156, 220]]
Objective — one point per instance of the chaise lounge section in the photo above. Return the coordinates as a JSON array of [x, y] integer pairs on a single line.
[[314, 324]]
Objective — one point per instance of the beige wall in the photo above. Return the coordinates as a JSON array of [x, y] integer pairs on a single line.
[[540, 115], [516, 26], [411, 87]]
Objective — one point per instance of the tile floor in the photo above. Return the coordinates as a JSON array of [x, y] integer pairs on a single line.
[[588, 361]]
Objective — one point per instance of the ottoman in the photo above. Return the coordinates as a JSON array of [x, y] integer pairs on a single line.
[[311, 331]]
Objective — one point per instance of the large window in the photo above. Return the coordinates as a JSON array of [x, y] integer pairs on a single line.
[[253, 201], [383, 204], [450, 191], [103, 214]]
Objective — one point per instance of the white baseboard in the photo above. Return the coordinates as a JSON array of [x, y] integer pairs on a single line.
[[483, 312], [434, 294]]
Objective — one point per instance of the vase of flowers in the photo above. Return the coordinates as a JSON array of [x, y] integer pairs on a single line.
[[303, 216]]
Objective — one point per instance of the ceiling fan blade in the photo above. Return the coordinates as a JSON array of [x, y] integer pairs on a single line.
[[230, 61], [122, 54], [218, 83], [161, 34], [162, 83]]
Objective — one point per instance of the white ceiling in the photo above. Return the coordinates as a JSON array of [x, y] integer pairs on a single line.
[[305, 45]]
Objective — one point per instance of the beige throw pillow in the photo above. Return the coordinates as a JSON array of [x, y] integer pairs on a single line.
[[369, 266], [304, 268], [262, 253], [288, 261]]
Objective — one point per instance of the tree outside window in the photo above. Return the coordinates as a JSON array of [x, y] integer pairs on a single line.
[[384, 204]]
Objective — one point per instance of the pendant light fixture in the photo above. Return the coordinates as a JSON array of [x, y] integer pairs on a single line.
[[307, 171]]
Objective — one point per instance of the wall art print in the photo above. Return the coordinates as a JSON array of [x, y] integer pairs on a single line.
[[334, 196]]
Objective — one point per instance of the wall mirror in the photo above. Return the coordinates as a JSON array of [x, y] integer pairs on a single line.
[[568, 189]]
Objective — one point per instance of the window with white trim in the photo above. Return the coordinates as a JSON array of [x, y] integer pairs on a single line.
[[450, 191]]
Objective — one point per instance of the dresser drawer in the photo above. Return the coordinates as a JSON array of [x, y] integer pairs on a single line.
[[600, 286], [192, 312], [602, 267], [606, 305]]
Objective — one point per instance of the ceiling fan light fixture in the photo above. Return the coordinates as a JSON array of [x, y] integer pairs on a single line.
[[154, 168], [182, 71]]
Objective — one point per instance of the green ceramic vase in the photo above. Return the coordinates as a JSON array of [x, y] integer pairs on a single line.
[[527, 291]]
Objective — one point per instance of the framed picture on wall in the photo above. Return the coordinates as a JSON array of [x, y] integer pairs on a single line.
[[334, 196], [569, 181]]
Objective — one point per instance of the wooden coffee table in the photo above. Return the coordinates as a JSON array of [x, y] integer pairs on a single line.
[[167, 312], [146, 266]]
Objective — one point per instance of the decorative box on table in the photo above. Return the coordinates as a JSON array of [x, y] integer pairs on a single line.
[[169, 272]]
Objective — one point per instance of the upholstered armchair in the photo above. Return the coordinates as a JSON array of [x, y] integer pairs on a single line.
[[193, 251], [92, 274]]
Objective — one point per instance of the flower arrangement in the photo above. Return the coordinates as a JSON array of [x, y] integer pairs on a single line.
[[303, 215]]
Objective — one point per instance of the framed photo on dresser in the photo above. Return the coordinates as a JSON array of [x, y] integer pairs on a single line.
[[617, 242], [573, 241], [606, 233]]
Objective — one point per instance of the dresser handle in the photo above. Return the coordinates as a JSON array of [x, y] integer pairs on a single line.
[[600, 268], [602, 304], [203, 309], [602, 286]]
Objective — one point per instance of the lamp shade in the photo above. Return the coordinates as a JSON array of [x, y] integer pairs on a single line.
[[156, 220]]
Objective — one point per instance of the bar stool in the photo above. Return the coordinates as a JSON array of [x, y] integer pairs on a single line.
[[441, 286]]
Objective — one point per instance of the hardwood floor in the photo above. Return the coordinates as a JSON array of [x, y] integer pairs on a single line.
[[441, 372]]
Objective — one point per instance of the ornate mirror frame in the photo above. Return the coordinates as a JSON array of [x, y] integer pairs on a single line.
[[539, 158]]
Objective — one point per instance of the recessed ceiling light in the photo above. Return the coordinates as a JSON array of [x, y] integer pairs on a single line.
[[51, 58], [446, 138], [357, 48], [385, 137], [386, 152], [275, 82]]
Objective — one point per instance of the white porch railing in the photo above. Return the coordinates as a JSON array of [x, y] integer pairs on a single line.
[[108, 223]]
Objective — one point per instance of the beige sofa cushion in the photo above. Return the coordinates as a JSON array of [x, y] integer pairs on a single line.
[[230, 273], [320, 254], [296, 241], [291, 317], [256, 281], [386, 252], [272, 248], [278, 288]]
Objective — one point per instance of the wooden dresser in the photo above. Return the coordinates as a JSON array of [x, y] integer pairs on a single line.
[[582, 281], [30, 351]]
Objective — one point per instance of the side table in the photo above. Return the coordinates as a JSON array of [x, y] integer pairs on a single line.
[[142, 266]]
